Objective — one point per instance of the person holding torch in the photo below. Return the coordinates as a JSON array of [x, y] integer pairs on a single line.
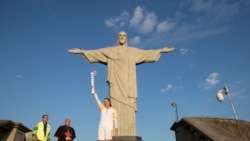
[[108, 119]]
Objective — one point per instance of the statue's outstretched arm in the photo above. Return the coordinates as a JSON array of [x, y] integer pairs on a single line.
[[75, 51], [167, 49]]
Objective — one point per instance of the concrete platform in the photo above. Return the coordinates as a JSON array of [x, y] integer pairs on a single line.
[[127, 138]]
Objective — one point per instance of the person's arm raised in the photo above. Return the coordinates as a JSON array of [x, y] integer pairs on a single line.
[[95, 96]]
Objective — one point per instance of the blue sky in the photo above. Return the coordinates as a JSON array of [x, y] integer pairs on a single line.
[[38, 75]]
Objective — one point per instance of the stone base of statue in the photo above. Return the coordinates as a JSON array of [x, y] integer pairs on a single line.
[[127, 138]]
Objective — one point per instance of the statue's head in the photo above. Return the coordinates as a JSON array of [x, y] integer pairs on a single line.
[[122, 39]]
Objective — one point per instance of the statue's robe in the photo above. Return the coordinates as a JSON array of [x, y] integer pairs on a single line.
[[121, 77]]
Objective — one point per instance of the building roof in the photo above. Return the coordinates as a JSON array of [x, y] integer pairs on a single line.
[[8, 124], [219, 129]]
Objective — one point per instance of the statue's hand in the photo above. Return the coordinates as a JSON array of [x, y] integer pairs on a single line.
[[75, 51], [167, 49]]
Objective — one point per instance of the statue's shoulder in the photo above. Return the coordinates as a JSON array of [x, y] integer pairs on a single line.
[[130, 47], [106, 48], [134, 48], [119, 48], [110, 47]]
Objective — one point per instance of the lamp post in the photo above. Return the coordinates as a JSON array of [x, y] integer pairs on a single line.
[[220, 98], [174, 104]]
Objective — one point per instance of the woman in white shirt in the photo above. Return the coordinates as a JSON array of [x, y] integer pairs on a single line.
[[108, 119]]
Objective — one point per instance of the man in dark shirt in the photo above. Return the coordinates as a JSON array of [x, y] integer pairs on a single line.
[[65, 132]]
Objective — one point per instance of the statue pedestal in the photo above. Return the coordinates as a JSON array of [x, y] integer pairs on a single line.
[[127, 138]]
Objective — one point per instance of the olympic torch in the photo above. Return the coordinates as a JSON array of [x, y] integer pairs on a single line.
[[92, 78]]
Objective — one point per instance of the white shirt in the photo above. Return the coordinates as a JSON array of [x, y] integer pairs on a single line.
[[108, 116]]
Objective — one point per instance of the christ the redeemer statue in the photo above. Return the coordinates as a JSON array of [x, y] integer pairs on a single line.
[[121, 62]]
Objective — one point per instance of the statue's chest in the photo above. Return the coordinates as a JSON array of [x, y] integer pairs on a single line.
[[123, 54]]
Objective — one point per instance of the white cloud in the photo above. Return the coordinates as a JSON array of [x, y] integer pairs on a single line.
[[204, 18], [118, 21], [211, 80], [111, 22], [183, 51], [164, 26], [149, 23], [194, 19], [142, 20], [213, 12], [137, 17], [169, 86], [134, 41]]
